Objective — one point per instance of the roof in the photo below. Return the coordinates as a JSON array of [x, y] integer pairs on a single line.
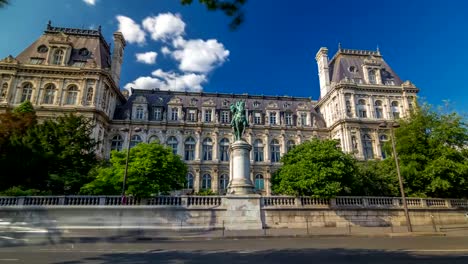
[[81, 40], [345, 59]]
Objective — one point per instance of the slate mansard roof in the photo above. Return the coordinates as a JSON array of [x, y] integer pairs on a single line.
[[88, 46], [344, 59]]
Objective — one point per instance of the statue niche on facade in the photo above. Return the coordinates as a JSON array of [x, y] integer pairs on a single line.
[[239, 121]]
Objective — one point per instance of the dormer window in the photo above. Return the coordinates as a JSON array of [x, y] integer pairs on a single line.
[[256, 104], [139, 113], [83, 52], [372, 77], [352, 69], [389, 82], [58, 57], [42, 49]]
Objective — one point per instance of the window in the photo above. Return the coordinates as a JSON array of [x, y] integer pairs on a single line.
[[36, 61], [367, 145], [72, 95], [258, 118], [42, 49], [259, 182], [378, 109], [116, 143], [153, 139], [174, 114], [58, 57], [3, 92], [303, 119], [27, 92], [372, 77], [225, 117], [157, 113], [206, 182], [139, 113], [275, 151], [256, 104], [208, 114], [223, 182], [173, 144], [395, 110], [136, 139], [207, 149], [104, 98], [288, 118], [189, 181], [89, 96], [49, 94], [192, 113], [389, 82], [258, 150], [190, 148], [383, 139], [272, 118], [224, 149], [362, 112], [290, 145]]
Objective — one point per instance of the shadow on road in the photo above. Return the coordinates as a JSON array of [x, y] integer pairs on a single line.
[[329, 256]]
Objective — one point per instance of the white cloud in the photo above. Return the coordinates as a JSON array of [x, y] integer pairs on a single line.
[[197, 55], [131, 30], [147, 57], [164, 26], [165, 50], [90, 2], [169, 81]]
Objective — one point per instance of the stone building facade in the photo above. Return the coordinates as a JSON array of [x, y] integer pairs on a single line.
[[74, 70]]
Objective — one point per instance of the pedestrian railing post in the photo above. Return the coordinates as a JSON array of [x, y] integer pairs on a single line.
[[307, 224]]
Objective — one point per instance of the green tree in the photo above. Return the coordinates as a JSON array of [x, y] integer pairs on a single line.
[[374, 179], [316, 168], [152, 169], [432, 149], [232, 8]]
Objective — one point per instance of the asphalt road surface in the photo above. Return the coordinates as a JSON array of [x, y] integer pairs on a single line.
[[329, 250]]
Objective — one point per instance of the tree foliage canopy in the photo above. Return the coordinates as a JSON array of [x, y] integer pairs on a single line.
[[152, 169], [316, 168], [231, 8]]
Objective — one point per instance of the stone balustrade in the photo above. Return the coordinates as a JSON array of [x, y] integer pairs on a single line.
[[272, 202]]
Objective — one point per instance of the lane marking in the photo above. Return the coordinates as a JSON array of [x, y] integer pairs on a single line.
[[9, 259]]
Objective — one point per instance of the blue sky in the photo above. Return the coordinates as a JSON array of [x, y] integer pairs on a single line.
[[273, 52]]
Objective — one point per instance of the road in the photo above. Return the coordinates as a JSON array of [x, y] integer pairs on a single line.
[[330, 250]]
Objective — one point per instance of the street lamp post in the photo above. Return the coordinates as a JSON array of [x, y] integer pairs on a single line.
[[397, 164], [123, 197]]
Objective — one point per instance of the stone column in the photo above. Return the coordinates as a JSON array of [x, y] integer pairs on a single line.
[[240, 182]]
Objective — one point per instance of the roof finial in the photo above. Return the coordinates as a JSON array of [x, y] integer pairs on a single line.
[[339, 46], [99, 28], [378, 49], [49, 24]]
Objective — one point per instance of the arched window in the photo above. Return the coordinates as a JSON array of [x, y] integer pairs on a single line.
[[259, 182], [223, 182], [89, 96], [49, 94], [206, 182], [139, 113], [173, 144], [153, 139], [362, 112], [27, 92], [207, 149], [58, 57], [136, 139], [367, 147], [395, 110], [224, 149], [290, 145], [372, 77], [3, 92], [189, 181], [116, 143], [275, 150], [72, 95], [190, 148], [378, 109], [383, 139], [258, 150]]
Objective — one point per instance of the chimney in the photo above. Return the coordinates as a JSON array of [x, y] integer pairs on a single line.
[[117, 56], [324, 75]]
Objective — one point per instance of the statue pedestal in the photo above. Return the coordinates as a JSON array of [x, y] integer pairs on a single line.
[[240, 183]]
